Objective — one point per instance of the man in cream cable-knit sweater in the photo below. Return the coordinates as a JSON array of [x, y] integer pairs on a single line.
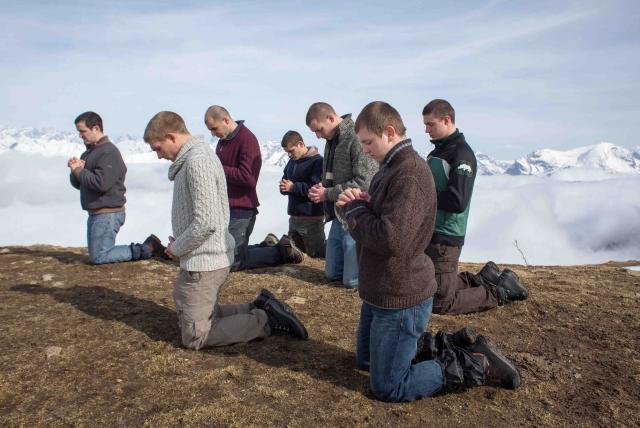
[[199, 217]]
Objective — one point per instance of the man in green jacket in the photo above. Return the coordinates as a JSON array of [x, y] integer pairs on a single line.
[[454, 169]]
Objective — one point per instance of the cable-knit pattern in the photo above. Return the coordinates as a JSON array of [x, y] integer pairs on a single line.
[[200, 209]]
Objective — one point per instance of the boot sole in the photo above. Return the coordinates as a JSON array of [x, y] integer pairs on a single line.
[[510, 377]]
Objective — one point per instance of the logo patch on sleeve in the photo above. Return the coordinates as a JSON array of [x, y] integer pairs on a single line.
[[464, 168]]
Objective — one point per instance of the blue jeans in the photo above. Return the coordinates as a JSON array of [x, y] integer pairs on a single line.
[[101, 240], [385, 345], [341, 261], [240, 229]]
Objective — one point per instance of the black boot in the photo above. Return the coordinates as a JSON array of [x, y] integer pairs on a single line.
[[429, 347], [509, 288], [281, 318], [461, 369], [500, 371], [490, 273], [262, 298]]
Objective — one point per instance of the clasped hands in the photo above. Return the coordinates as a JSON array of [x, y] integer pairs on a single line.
[[352, 194]]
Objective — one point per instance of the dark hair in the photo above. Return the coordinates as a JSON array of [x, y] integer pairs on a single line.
[[440, 108], [376, 115], [317, 110], [290, 137], [163, 123], [90, 120]]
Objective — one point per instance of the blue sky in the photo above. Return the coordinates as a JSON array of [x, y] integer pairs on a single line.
[[521, 75]]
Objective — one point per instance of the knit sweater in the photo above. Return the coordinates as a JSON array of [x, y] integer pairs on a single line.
[[101, 181], [393, 229], [200, 211], [345, 165], [240, 156]]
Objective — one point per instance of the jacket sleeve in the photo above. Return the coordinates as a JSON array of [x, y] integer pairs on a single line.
[[202, 226], [74, 181], [363, 168], [455, 198], [386, 233], [314, 177], [109, 168], [248, 157]]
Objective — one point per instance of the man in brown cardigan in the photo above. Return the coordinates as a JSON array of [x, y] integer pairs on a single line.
[[391, 225]]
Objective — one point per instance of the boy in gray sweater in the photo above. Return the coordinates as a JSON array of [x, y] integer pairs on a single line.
[[202, 242]]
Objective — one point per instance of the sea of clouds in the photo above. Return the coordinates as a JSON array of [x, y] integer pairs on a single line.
[[573, 216]]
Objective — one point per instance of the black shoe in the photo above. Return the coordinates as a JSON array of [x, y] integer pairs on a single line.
[[429, 347], [509, 288], [501, 371], [262, 298], [270, 240], [294, 254], [282, 319], [155, 247], [462, 369], [490, 273]]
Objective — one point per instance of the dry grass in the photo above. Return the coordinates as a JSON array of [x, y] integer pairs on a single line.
[[576, 341]]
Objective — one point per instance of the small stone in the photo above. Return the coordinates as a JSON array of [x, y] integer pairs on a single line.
[[27, 262], [58, 284], [577, 376], [47, 277], [53, 351], [119, 380], [296, 299], [280, 290], [4, 250]]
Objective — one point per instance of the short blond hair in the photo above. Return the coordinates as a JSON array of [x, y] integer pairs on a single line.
[[163, 123]]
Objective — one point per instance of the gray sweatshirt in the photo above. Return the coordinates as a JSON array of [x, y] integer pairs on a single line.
[[101, 181]]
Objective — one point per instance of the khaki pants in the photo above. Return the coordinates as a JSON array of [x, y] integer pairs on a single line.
[[203, 322], [458, 293]]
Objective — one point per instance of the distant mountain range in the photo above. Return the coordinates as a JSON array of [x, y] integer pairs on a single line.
[[603, 156]]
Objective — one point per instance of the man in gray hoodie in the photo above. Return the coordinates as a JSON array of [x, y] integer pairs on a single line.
[[202, 242]]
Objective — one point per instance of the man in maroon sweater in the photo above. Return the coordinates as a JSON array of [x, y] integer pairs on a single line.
[[239, 153]]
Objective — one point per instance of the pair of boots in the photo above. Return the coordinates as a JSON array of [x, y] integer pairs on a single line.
[[507, 283], [293, 253], [282, 319], [467, 360]]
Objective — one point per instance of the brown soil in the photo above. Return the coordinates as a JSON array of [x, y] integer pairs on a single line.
[[576, 342]]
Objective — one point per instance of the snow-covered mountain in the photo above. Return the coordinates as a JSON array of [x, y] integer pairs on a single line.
[[603, 156]]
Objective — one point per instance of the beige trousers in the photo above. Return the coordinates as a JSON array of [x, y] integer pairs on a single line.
[[203, 322]]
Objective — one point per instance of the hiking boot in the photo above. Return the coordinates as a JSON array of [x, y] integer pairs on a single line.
[[429, 347], [490, 273], [500, 370], [294, 254], [282, 319], [270, 240], [262, 298], [509, 288], [156, 249], [462, 369]]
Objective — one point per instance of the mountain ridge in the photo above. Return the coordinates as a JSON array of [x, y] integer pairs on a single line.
[[603, 156]]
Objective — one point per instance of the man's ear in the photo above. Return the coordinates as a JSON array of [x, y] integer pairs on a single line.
[[171, 136], [390, 131]]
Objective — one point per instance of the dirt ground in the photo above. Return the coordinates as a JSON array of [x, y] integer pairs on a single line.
[[85, 345]]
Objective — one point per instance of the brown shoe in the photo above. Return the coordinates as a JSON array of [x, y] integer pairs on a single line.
[[294, 254], [155, 247]]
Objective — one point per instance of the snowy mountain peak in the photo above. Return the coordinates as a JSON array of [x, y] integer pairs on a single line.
[[604, 156]]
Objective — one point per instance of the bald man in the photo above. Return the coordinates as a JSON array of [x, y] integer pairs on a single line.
[[239, 153]]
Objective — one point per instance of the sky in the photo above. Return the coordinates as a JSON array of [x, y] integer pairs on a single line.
[[521, 75]]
